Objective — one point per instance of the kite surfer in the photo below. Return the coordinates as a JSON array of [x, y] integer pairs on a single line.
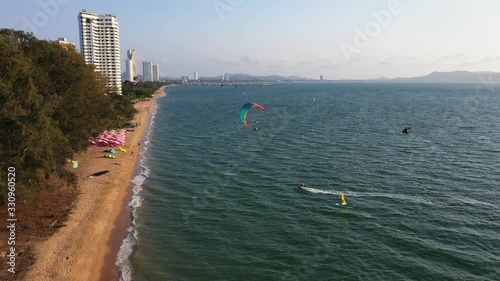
[[245, 109], [301, 185], [343, 203], [255, 128]]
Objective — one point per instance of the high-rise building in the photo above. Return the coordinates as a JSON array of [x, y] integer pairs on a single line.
[[227, 77], [131, 65], [147, 71], [129, 72], [100, 45], [156, 72], [196, 75]]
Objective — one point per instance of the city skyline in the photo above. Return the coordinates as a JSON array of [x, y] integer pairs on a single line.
[[362, 40]]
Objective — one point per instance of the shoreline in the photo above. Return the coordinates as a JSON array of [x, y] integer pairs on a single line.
[[86, 248], [110, 270]]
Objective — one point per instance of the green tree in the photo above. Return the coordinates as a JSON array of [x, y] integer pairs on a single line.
[[51, 104]]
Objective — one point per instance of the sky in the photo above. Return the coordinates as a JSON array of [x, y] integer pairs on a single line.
[[335, 38]]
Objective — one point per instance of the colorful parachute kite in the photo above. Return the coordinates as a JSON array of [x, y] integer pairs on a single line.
[[246, 108]]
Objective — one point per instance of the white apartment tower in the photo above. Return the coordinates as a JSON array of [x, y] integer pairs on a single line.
[[100, 45], [196, 75], [147, 71], [131, 65], [156, 72]]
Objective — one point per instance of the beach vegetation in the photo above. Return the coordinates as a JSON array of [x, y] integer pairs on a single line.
[[51, 104], [140, 90]]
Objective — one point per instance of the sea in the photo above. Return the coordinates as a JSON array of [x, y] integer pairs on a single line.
[[216, 200]]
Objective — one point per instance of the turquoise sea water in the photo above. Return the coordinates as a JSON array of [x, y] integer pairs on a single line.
[[219, 201]]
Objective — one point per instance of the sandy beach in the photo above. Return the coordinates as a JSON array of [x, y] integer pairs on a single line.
[[86, 247]]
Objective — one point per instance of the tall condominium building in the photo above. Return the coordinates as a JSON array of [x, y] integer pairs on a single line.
[[156, 72], [227, 77], [100, 45], [196, 75], [131, 66], [147, 71]]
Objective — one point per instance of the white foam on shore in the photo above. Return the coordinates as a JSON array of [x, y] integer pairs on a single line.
[[124, 256]]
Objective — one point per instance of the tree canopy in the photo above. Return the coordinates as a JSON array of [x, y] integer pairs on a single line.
[[140, 90], [51, 104]]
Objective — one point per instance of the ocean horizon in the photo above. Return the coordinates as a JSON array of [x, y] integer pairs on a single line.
[[216, 200]]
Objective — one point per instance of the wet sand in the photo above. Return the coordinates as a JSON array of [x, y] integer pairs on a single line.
[[86, 247]]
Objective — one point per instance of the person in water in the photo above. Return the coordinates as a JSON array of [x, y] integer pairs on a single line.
[[342, 199], [301, 186]]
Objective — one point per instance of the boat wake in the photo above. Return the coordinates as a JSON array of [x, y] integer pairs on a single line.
[[320, 191], [409, 198]]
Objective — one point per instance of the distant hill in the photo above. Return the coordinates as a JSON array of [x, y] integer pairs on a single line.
[[246, 77], [242, 77], [236, 77], [454, 76], [449, 77]]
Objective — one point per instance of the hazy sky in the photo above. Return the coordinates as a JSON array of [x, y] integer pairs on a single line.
[[338, 39]]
